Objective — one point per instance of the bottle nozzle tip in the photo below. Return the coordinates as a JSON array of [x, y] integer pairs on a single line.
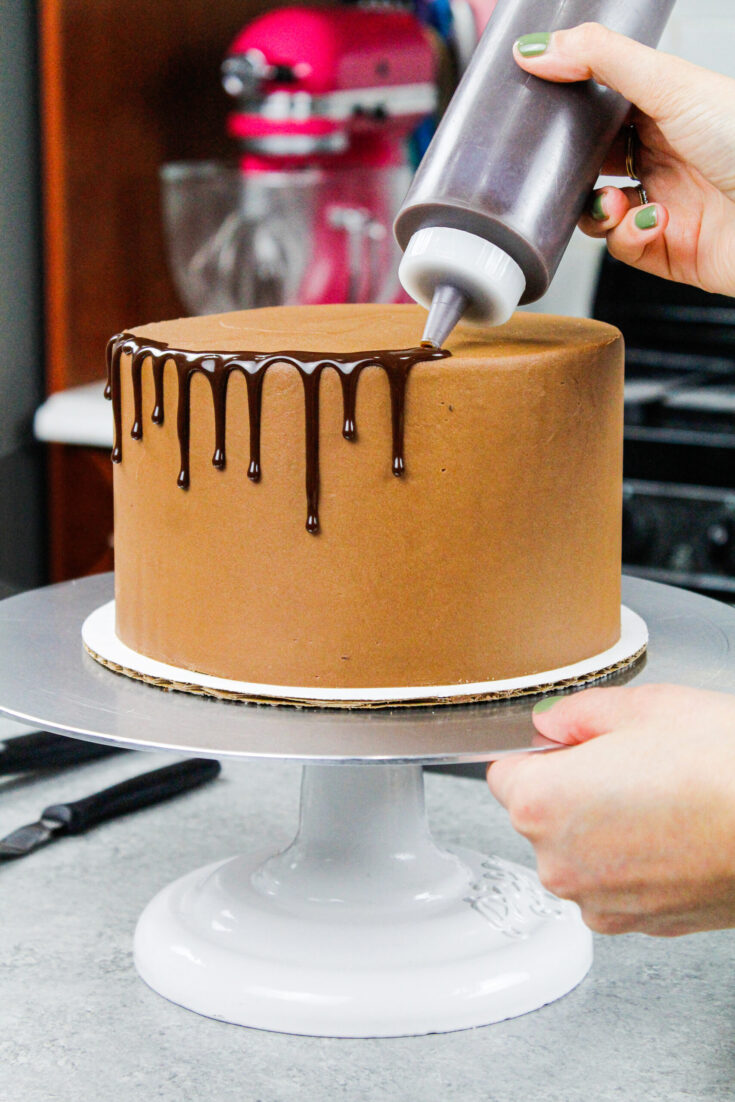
[[447, 307]]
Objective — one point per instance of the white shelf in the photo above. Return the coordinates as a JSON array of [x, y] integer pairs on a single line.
[[81, 415]]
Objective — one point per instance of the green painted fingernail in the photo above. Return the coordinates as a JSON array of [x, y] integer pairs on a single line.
[[597, 209], [545, 704], [532, 45], [646, 218]]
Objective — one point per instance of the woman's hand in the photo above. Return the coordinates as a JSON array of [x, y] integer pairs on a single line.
[[638, 825], [685, 118]]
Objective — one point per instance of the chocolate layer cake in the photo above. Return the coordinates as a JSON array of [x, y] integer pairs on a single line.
[[304, 497]]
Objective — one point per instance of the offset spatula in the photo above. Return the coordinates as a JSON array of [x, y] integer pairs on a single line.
[[142, 791], [44, 750]]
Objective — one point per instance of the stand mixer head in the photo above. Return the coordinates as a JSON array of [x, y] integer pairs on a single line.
[[324, 100], [329, 86]]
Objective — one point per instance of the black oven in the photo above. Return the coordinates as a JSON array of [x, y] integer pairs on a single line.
[[679, 452]]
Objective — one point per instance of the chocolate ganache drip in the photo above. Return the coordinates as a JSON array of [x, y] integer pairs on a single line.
[[217, 367]]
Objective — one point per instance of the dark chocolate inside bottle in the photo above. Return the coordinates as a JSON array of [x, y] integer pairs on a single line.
[[217, 367]]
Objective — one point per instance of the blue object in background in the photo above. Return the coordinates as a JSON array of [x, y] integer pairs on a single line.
[[436, 14]]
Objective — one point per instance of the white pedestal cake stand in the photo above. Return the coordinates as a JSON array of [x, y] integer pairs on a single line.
[[363, 926]]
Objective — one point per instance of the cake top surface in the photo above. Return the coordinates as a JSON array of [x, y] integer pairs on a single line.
[[352, 328]]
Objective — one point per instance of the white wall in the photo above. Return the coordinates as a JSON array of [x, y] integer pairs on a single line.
[[703, 31]]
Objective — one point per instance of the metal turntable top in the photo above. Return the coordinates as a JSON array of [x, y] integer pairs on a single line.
[[47, 679]]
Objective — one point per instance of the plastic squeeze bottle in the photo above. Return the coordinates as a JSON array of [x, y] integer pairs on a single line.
[[500, 189]]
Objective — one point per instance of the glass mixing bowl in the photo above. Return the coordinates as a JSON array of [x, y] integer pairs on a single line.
[[238, 240]]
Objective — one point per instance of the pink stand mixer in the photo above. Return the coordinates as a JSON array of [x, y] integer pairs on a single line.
[[324, 100]]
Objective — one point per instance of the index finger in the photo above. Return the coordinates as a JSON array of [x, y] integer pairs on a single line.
[[504, 774]]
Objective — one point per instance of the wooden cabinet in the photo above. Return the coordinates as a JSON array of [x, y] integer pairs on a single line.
[[80, 510], [125, 87]]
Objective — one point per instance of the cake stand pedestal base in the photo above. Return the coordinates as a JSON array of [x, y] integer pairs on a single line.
[[363, 926]]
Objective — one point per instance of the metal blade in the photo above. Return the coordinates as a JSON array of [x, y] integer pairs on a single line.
[[27, 838]]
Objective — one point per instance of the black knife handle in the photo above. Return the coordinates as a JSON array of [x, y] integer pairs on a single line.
[[44, 750], [141, 791]]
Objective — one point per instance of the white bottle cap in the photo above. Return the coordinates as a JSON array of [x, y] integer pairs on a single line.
[[439, 255]]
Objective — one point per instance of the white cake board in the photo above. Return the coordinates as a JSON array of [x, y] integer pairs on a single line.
[[100, 640]]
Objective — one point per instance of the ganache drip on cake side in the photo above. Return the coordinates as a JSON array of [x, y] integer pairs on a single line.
[[217, 368]]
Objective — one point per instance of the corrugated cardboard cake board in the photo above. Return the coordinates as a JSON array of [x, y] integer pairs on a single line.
[[101, 642]]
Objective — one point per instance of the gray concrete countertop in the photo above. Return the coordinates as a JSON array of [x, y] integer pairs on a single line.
[[655, 1019]]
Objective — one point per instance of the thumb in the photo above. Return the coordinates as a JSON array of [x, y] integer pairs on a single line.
[[585, 715], [568, 720], [655, 82]]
